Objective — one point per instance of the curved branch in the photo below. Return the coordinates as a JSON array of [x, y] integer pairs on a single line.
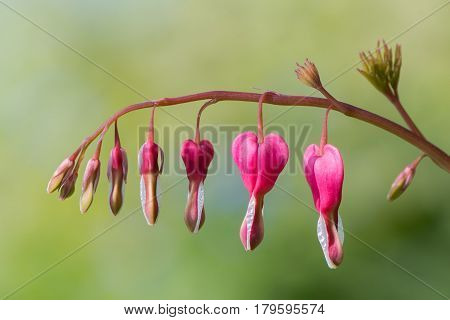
[[440, 157]]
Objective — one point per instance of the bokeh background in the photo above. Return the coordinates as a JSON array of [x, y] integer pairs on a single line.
[[51, 97]]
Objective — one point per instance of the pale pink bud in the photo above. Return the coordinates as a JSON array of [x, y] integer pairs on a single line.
[[63, 169], [89, 184], [149, 169], [117, 176], [196, 158], [401, 183], [68, 185], [260, 164], [324, 172]]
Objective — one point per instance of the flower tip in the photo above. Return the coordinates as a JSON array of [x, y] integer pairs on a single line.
[[308, 74]]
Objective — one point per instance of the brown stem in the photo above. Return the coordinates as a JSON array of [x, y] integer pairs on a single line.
[[324, 136], [439, 156], [151, 126], [260, 116], [393, 98], [199, 115]]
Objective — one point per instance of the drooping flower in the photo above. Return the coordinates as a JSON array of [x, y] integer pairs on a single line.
[[117, 174], [260, 165], [150, 169], [260, 161], [324, 171], [197, 157], [89, 184]]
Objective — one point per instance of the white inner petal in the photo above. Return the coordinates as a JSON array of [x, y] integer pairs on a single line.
[[143, 193], [340, 230], [249, 218], [322, 235], [200, 204], [140, 158]]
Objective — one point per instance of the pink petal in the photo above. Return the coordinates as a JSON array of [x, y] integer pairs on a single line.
[[245, 155], [273, 154]]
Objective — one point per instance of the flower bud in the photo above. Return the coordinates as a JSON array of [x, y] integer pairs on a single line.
[[382, 68], [68, 186], [324, 171], [117, 176], [89, 184], [260, 165], [197, 158], [308, 74], [401, 183], [149, 169], [63, 169]]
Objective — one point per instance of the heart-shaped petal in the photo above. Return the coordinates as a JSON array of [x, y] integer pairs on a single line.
[[245, 155], [324, 172]]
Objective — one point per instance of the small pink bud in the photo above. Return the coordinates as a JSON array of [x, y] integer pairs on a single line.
[[89, 184], [117, 174], [324, 172], [68, 186], [196, 158], [260, 165], [63, 169], [149, 169], [403, 180]]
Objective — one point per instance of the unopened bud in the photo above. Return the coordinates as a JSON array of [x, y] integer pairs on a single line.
[[401, 183], [63, 169], [117, 176], [68, 186], [89, 184]]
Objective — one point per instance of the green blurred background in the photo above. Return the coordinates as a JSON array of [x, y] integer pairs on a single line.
[[51, 98]]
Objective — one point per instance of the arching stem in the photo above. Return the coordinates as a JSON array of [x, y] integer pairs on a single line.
[[439, 156], [199, 114]]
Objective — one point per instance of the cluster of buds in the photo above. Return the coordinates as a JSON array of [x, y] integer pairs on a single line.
[[382, 68]]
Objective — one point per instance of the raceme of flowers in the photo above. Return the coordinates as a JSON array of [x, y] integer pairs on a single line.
[[259, 157]]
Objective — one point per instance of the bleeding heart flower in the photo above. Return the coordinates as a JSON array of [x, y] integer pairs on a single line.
[[149, 169], [197, 157], [324, 171], [117, 174], [260, 165]]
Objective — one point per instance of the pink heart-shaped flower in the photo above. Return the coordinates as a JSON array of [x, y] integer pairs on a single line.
[[324, 172], [260, 164], [196, 158]]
